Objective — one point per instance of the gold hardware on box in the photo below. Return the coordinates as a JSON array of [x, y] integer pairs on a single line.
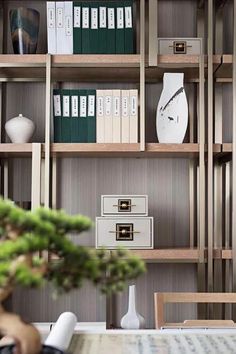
[[180, 47], [124, 205], [124, 232]]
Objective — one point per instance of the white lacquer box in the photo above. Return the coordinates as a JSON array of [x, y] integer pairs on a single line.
[[125, 205], [189, 46], [129, 232]]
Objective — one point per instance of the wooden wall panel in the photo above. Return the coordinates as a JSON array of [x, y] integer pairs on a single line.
[[228, 27], [227, 110]]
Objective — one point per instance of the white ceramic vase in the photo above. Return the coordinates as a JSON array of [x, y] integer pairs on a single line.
[[172, 110], [132, 319], [20, 129]]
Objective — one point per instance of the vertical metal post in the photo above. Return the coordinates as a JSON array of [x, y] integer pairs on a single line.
[[192, 181], [36, 176], [153, 32], [227, 203], [142, 75], [47, 132], [234, 163], [54, 183], [210, 151]]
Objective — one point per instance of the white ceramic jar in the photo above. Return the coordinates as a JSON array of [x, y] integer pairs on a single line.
[[20, 129]]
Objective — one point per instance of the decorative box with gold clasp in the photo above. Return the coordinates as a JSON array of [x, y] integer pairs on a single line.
[[128, 232], [189, 46], [124, 205]]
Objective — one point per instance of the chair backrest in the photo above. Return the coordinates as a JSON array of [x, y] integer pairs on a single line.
[[160, 299]]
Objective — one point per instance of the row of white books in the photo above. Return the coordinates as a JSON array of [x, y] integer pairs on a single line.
[[117, 116]]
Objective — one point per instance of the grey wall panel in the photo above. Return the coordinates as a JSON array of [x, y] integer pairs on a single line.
[[228, 27], [227, 109], [161, 278], [83, 181], [39, 305], [177, 18]]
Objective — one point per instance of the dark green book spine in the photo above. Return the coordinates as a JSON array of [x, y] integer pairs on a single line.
[[91, 119], [66, 118], [83, 124], [74, 115], [57, 114], [77, 37], [94, 30], [102, 36], [120, 31], [85, 28], [111, 28], [129, 27]]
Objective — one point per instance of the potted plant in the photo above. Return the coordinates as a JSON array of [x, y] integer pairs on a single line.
[[24, 235]]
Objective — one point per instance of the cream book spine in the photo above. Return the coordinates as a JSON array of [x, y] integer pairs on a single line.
[[68, 35], [125, 116], [100, 121], [51, 27], [108, 115], [60, 26], [116, 116], [133, 116]]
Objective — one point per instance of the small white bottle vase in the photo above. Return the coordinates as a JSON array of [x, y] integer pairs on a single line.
[[172, 110], [20, 129], [132, 319]]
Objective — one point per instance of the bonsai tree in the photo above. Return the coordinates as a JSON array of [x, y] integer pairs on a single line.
[[24, 235]]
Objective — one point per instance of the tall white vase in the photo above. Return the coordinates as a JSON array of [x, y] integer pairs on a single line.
[[132, 319], [172, 110]]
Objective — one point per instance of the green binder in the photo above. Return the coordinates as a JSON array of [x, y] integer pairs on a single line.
[[83, 124], [94, 28], [120, 30], [66, 118], [102, 32], [91, 117], [57, 115], [129, 30], [74, 115], [85, 31], [111, 28], [77, 36]]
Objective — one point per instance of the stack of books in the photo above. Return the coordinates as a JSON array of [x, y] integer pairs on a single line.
[[89, 116], [85, 27]]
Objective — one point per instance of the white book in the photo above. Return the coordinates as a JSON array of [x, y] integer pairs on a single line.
[[68, 43], [51, 27], [100, 118], [125, 116], [133, 116], [60, 27], [108, 115], [116, 117]]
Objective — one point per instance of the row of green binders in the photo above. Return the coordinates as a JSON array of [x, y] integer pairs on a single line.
[[87, 27], [69, 105]]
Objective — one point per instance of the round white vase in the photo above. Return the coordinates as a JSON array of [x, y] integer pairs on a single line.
[[172, 110], [132, 319], [20, 129]]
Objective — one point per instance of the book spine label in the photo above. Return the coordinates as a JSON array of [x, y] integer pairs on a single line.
[[57, 105], [94, 19], [60, 28], [111, 18], [102, 17], [77, 16], [66, 106], [125, 116], [74, 116], [116, 132], [108, 116], [83, 124], [74, 106], [51, 27], [83, 106], [133, 116], [91, 116], [102, 36], [68, 44], [91, 106], [128, 17], [120, 17], [85, 17], [66, 120], [100, 117], [57, 115]]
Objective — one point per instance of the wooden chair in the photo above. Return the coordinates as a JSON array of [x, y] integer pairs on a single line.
[[160, 299]]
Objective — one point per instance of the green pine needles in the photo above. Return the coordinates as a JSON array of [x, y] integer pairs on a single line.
[[24, 235]]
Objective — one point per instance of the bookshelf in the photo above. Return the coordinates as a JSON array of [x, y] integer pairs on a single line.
[[174, 175]]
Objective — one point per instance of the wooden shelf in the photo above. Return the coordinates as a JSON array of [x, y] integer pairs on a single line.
[[183, 255], [227, 147], [15, 150], [225, 70], [127, 150]]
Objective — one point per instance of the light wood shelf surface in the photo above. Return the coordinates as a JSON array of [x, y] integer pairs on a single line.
[[183, 255]]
